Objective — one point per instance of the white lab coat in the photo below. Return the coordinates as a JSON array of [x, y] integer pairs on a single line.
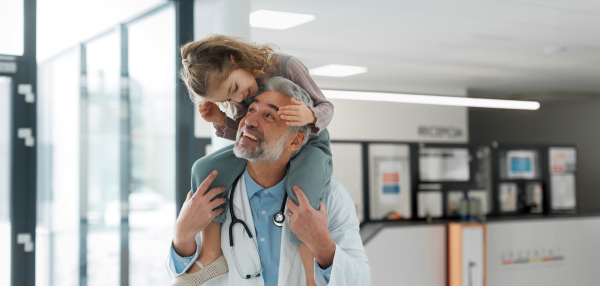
[[350, 263]]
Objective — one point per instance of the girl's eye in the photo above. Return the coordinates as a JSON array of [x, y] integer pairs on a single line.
[[250, 109], [236, 86]]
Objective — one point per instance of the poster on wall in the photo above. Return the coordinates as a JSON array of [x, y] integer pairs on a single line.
[[563, 191], [508, 197], [563, 160], [389, 181], [444, 164], [521, 164]]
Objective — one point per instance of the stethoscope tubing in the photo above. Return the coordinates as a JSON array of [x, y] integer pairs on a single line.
[[278, 220]]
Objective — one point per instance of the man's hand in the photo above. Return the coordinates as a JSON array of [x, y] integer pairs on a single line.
[[297, 114], [197, 212], [311, 227], [210, 112]]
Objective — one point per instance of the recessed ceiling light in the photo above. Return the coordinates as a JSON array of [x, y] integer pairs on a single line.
[[432, 99], [337, 70], [278, 20]]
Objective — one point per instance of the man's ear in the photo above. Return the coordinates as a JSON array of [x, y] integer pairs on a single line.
[[296, 142]]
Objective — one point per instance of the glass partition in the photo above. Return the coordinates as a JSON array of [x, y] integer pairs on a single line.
[[152, 207], [11, 27], [103, 210], [57, 231], [5, 137]]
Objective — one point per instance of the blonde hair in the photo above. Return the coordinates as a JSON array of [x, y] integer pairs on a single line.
[[208, 62]]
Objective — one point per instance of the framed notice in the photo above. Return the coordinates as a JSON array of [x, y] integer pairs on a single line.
[[389, 176]]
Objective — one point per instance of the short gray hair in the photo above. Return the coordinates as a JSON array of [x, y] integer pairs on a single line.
[[292, 90]]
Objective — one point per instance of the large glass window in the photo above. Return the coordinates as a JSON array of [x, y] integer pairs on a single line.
[[5, 227], [152, 74], [102, 161], [106, 193], [11, 27], [57, 239]]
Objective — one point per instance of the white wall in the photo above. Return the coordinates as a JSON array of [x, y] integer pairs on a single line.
[[576, 239], [368, 120], [408, 255]]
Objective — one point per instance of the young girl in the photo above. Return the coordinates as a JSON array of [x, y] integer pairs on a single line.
[[225, 69]]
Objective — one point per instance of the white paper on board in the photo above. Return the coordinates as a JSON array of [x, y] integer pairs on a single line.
[[444, 164], [563, 191]]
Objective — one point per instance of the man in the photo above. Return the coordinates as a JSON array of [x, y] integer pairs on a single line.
[[331, 233]]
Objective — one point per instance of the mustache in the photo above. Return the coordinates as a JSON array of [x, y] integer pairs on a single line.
[[258, 134]]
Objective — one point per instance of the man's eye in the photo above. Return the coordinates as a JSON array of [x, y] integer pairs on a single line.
[[250, 109], [271, 116]]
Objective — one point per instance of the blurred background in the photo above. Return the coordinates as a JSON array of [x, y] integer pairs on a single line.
[[465, 132]]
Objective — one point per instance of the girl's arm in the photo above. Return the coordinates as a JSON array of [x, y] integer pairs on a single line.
[[323, 109], [232, 124]]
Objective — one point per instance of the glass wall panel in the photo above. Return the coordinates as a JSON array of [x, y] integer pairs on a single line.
[[152, 73], [11, 27], [103, 208], [57, 239], [5, 228]]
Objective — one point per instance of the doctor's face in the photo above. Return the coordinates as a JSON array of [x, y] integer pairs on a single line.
[[262, 135]]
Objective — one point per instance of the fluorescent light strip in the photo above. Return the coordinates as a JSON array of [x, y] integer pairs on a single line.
[[337, 70], [278, 20], [432, 99]]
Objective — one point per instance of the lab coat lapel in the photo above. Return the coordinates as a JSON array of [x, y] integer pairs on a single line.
[[288, 253], [241, 208]]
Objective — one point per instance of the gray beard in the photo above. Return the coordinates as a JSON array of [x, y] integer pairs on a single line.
[[268, 151]]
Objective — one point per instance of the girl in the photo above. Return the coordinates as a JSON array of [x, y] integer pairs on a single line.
[[222, 69]]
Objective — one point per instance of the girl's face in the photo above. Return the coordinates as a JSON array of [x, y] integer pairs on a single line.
[[239, 85]]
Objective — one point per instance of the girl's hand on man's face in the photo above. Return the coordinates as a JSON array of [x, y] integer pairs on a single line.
[[297, 114]]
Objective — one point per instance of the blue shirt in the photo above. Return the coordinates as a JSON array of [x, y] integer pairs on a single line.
[[265, 203]]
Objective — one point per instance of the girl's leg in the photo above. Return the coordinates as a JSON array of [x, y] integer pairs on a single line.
[[308, 261], [311, 171], [210, 249], [229, 167]]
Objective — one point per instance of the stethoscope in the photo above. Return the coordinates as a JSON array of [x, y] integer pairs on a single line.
[[278, 219]]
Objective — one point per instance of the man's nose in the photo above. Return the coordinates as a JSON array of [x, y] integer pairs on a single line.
[[251, 119]]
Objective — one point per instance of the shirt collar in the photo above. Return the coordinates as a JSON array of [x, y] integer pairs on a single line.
[[278, 191]]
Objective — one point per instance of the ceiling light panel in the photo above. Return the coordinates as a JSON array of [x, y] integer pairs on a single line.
[[278, 20], [337, 70], [432, 99]]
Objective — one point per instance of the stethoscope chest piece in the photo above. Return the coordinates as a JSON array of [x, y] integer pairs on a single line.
[[278, 219]]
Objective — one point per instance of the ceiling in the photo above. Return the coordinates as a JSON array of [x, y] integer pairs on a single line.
[[454, 47], [460, 47]]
